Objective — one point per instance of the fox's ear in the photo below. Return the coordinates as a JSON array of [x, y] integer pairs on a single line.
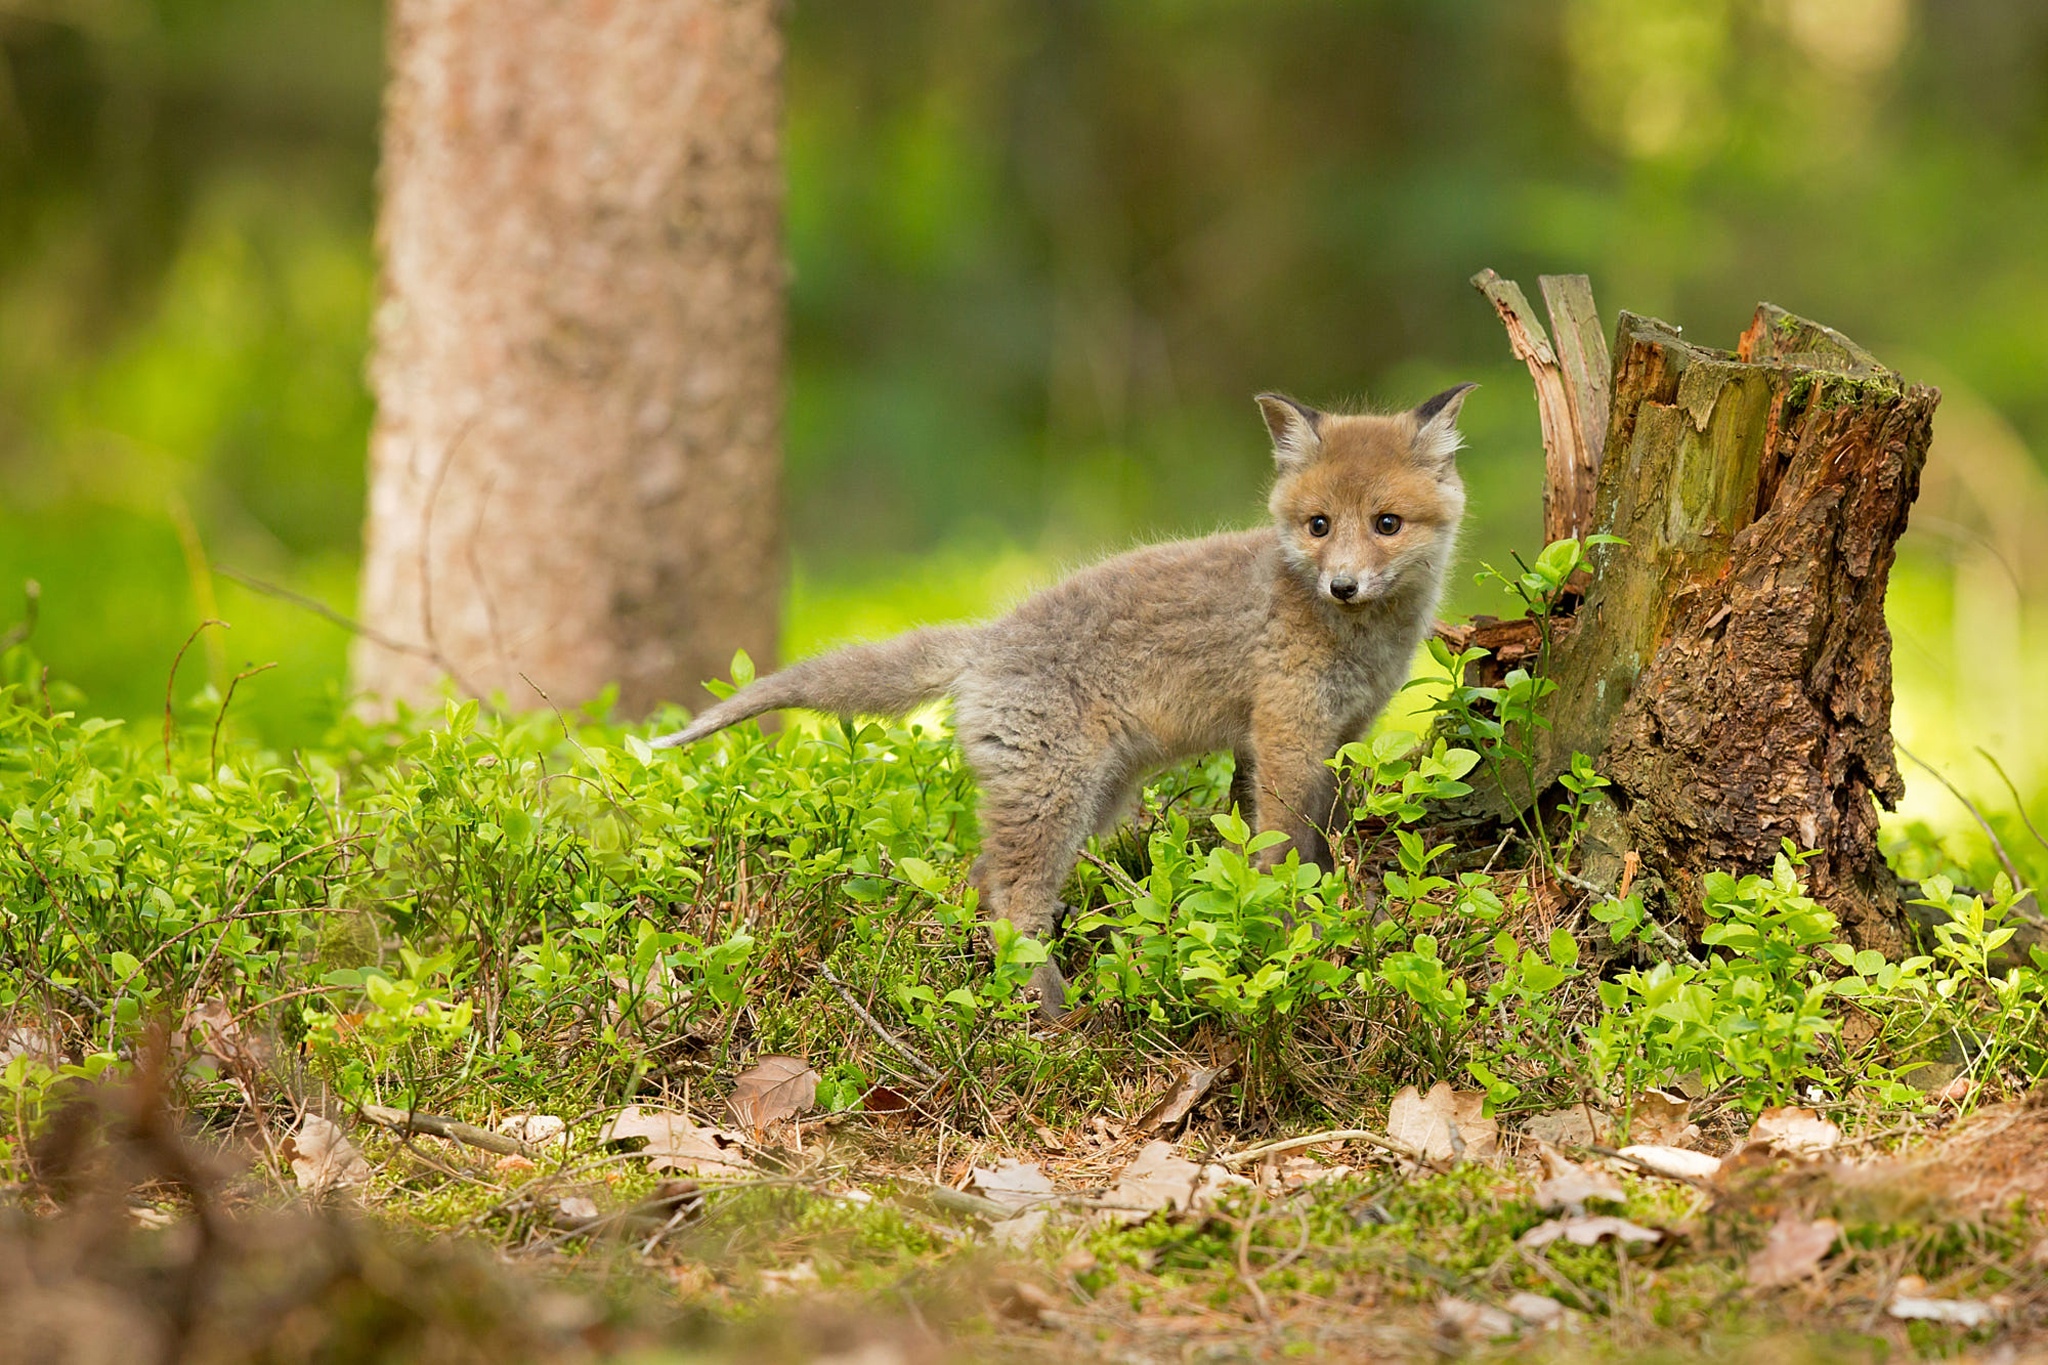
[[1437, 437], [1296, 442]]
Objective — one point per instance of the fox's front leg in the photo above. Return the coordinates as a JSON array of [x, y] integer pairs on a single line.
[[1293, 788]]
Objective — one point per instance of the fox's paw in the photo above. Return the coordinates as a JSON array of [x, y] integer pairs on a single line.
[[1048, 990]]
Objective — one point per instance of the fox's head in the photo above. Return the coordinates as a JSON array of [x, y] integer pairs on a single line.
[[1367, 505]]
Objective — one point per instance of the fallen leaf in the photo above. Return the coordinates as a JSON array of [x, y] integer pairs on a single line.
[[884, 1102], [574, 1210], [223, 1038], [1159, 1180], [38, 1045], [1794, 1131], [1020, 1233], [1182, 1096], [1464, 1319], [1792, 1251], [1955, 1312], [1568, 1185], [514, 1163], [1584, 1230], [1445, 1124], [1675, 1162], [1579, 1125], [675, 1143], [1538, 1310], [322, 1158], [1022, 1301], [534, 1129], [1955, 1092], [1014, 1184], [773, 1089], [1663, 1119]]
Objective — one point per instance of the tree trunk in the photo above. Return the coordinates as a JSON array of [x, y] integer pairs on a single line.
[[574, 472], [1729, 668]]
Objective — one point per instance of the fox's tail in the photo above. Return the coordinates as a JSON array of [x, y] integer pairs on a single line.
[[883, 679]]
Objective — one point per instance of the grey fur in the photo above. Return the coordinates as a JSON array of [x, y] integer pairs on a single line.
[[1233, 641]]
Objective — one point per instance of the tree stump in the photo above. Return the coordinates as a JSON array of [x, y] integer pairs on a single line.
[[1729, 668]]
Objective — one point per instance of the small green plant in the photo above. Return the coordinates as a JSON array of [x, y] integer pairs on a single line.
[[1503, 721]]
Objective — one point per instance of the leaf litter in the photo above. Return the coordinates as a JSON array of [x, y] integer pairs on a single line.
[[676, 1142], [1445, 1124], [772, 1090]]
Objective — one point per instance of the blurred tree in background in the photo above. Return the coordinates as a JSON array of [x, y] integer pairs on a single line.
[[1044, 251]]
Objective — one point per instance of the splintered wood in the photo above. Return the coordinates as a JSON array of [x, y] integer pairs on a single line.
[[1571, 389]]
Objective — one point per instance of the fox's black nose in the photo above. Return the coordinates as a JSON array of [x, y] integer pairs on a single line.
[[1344, 588]]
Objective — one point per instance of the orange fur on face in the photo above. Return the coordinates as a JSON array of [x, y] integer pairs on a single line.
[[1352, 474]]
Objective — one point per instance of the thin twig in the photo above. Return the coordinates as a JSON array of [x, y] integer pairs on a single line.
[[1667, 940], [171, 681], [213, 749], [1365, 1135], [327, 613], [2019, 806], [436, 1125], [1115, 874], [2004, 859], [923, 1068]]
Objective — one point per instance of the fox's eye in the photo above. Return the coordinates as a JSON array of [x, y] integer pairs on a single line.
[[1319, 525], [1386, 523]]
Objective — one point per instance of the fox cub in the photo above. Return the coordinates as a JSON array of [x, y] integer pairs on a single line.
[[1279, 644]]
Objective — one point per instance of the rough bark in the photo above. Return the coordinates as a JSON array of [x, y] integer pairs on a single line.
[[1730, 667], [574, 471]]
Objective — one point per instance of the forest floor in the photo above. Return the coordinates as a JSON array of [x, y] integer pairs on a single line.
[[889, 1237], [481, 1037]]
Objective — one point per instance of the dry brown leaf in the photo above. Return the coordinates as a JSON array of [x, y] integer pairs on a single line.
[[1663, 1119], [1794, 1131], [1445, 1124], [1580, 1125], [1182, 1096], [1675, 1162], [1011, 1183], [222, 1037], [1022, 1301], [1792, 1251], [1160, 1180], [675, 1143], [773, 1089], [322, 1158], [885, 1102], [1583, 1230], [1568, 1185]]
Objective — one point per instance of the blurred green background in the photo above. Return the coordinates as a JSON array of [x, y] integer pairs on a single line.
[[1044, 251]]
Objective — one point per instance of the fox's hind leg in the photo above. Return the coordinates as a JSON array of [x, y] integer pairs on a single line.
[[1038, 806]]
